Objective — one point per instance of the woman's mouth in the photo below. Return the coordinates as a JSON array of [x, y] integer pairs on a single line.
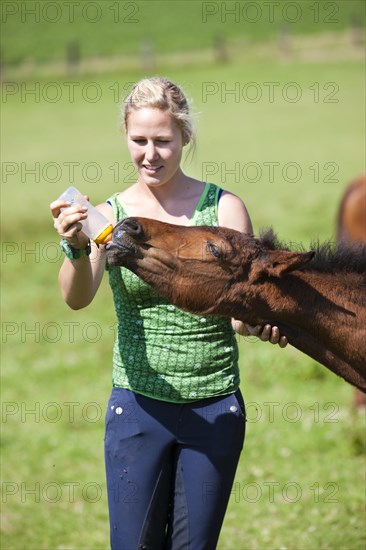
[[151, 169]]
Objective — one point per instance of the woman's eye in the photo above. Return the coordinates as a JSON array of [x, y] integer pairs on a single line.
[[213, 249], [143, 141]]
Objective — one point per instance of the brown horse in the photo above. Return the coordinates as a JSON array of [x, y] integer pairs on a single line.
[[351, 222], [318, 300], [351, 227]]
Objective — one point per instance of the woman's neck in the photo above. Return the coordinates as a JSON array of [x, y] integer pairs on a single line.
[[173, 201]]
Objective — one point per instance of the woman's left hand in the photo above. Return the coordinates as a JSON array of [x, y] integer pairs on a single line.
[[266, 333]]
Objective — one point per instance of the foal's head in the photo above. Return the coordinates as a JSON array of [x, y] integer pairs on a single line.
[[195, 267]]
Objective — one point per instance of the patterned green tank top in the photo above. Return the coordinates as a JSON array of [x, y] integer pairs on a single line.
[[162, 351]]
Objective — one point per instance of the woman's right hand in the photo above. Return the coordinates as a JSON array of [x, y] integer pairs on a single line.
[[67, 222]]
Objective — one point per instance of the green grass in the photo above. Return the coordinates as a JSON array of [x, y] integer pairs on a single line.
[[113, 28], [304, 440], [301, 153]]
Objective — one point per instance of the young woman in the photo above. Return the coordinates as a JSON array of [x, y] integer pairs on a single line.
[[175, 421]]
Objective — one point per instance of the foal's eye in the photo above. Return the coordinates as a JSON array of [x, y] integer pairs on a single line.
[[213, 249]]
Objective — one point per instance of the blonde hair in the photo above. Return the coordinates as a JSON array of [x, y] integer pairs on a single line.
[[160, 93]]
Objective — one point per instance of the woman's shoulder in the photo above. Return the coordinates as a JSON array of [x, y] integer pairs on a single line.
[[233, 213], [129, 192]]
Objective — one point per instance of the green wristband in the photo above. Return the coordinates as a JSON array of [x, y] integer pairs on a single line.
[[74, 253]]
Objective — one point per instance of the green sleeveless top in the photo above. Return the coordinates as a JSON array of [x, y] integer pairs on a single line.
[[162, 351]]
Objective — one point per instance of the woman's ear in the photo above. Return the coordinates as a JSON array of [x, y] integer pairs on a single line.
[[185, 139]]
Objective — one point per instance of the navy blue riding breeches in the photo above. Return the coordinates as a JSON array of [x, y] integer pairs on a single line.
[[170, 469]]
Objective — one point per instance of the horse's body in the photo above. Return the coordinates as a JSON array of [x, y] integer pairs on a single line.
[[318, 302], [351, 222], [351, 227]]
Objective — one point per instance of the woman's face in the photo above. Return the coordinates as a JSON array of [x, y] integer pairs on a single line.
[[155, 144]]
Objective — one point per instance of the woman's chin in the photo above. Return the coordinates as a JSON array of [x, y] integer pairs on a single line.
[[152, 181]]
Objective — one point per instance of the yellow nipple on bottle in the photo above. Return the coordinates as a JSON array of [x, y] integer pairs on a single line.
[[104, 236]]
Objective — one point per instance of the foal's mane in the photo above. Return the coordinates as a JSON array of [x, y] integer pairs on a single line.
[[329, 257]]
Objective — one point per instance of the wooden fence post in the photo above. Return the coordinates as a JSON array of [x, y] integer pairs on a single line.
[[73, 57]]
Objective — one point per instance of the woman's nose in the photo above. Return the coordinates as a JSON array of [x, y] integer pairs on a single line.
[[151, 152]]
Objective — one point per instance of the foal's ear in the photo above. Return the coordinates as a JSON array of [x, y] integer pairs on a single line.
[[275, 263]]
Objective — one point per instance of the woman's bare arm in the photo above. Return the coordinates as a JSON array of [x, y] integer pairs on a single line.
[[79, 279]]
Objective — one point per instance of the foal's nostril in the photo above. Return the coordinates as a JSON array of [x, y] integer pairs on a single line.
[[132, 226]]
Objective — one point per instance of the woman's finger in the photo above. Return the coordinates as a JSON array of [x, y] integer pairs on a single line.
[[69, 218], [56, 207], [283, 342]]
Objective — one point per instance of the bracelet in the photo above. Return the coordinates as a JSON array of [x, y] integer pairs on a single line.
[[73, 253]]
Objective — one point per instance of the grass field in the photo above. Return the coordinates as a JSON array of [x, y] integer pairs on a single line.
[[109, 27], [287, 138]]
